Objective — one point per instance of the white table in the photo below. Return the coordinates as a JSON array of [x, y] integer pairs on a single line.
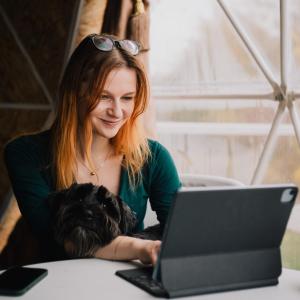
[[96, 279]]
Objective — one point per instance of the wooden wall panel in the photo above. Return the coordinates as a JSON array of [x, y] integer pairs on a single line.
[[17, 84], [35, 40], [43, 28]]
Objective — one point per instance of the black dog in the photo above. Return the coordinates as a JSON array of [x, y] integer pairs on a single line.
[[86, 217]]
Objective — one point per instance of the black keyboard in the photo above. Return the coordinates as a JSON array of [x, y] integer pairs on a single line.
[[142, 278]]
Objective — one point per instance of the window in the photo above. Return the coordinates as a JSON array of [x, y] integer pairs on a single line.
[[216, 102]]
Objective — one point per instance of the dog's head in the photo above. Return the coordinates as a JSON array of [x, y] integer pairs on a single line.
[[86, 217]]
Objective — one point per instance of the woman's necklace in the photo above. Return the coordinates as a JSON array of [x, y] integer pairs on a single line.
[[94, 171]]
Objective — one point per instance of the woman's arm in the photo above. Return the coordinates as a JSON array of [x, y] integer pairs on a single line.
[[26, 159], [129, 248], [24, 162], [164, 181]]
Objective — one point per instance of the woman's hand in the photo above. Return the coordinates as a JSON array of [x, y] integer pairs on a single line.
[[129, 248], [148, 251]]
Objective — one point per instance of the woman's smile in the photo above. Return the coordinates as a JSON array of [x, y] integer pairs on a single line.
[[110, 123]]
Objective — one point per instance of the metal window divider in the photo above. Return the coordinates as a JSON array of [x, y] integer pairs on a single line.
[[281, 93]]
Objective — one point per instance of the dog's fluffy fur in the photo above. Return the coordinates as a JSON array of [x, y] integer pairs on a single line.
[[86, 217]]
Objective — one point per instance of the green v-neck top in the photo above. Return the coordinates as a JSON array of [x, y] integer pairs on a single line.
[[28, 162]]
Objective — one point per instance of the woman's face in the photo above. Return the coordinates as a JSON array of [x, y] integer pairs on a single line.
[[116, 103]]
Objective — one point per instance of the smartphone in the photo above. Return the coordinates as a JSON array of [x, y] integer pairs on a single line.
[[17, 280]]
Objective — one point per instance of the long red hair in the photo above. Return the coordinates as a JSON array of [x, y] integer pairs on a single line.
[[79, 91]]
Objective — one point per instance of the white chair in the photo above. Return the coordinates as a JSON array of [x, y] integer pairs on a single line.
[[193, 180], [198, 180]]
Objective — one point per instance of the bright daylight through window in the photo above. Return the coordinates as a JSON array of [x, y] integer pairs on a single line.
[[225, 84]]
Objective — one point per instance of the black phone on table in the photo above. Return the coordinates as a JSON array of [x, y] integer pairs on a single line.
[[18, 280]]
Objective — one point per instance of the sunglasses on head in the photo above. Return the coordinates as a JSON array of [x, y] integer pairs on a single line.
[[105, 43]]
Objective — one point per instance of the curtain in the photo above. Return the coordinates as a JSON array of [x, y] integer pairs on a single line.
[[91, 18]]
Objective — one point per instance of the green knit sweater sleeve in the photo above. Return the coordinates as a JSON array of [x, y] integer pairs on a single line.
[[25, 161], [164, 181]]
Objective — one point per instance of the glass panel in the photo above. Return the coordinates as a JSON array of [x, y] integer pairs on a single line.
[[216, 137], [194, 49], [283, 167], [235, 111], [294, 74], [196, 56], [264, 35], [290, 247]]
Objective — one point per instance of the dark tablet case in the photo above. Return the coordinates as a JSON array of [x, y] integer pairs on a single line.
[[224, 239]]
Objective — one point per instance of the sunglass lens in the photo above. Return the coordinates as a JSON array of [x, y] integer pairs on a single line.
[[103, 43], [130, 46]]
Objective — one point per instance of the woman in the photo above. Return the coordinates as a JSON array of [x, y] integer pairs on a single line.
[[96, 137]]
